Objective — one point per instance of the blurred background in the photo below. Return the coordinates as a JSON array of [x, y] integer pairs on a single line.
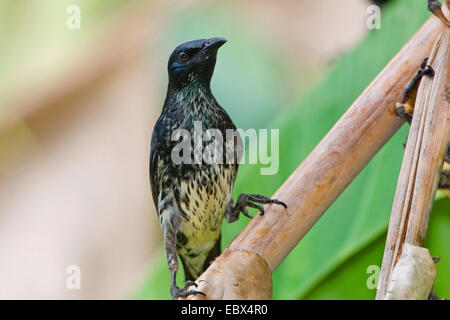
[[77, 108]]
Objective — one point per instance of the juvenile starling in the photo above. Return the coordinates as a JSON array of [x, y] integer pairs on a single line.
[[193, 198]]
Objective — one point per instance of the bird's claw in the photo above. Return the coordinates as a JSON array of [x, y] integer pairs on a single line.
[[250, 200], [245, 213], [177, 292], [190, 283]]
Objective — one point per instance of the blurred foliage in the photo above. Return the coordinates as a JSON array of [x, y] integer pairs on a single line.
[[331, 261], [349, 279], [36, 41]]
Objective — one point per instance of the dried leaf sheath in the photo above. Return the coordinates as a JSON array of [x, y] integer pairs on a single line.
[[424, 155]]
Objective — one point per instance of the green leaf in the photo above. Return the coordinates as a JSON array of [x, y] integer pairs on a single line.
[[349, 280], [437, 240]]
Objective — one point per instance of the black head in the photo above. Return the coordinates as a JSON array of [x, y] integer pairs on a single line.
[[193, 60]]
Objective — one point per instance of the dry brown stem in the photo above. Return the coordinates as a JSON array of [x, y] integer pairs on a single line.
[[419, 176]]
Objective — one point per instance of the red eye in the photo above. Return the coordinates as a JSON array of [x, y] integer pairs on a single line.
[[183, 56]]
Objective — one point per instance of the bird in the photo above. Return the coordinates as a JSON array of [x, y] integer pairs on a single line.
[[193, 197]]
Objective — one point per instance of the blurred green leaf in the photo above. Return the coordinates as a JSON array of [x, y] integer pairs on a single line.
[[349, 280], [438, 239]]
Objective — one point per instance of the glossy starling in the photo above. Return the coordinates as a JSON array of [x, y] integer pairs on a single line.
[[193, 198]]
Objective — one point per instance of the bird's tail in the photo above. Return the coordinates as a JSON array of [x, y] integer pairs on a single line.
[[214, 253]]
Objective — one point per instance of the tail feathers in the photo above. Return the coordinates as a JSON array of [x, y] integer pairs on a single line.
[[214, 253]]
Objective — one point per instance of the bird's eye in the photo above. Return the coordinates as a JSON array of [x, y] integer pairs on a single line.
[[183, 56]]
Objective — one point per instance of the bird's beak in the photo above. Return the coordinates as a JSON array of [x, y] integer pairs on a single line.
[[213, 44]]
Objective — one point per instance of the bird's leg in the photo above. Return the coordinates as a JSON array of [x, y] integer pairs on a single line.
[[170, 225], [177, 292], [248, 200], [435, 7], [405, 108]]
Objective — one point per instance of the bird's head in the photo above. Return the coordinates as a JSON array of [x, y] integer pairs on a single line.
[[193, 60]]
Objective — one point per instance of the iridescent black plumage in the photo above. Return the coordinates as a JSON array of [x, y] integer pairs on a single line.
[[192, 199]]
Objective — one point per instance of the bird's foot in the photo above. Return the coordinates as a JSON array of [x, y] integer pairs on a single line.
[[177, 292], [250, 200], [405, 108]]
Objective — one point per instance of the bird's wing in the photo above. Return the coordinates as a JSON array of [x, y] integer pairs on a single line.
[[153, 167], [237, 143]]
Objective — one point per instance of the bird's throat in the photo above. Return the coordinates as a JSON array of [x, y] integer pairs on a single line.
[[194, 93]]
